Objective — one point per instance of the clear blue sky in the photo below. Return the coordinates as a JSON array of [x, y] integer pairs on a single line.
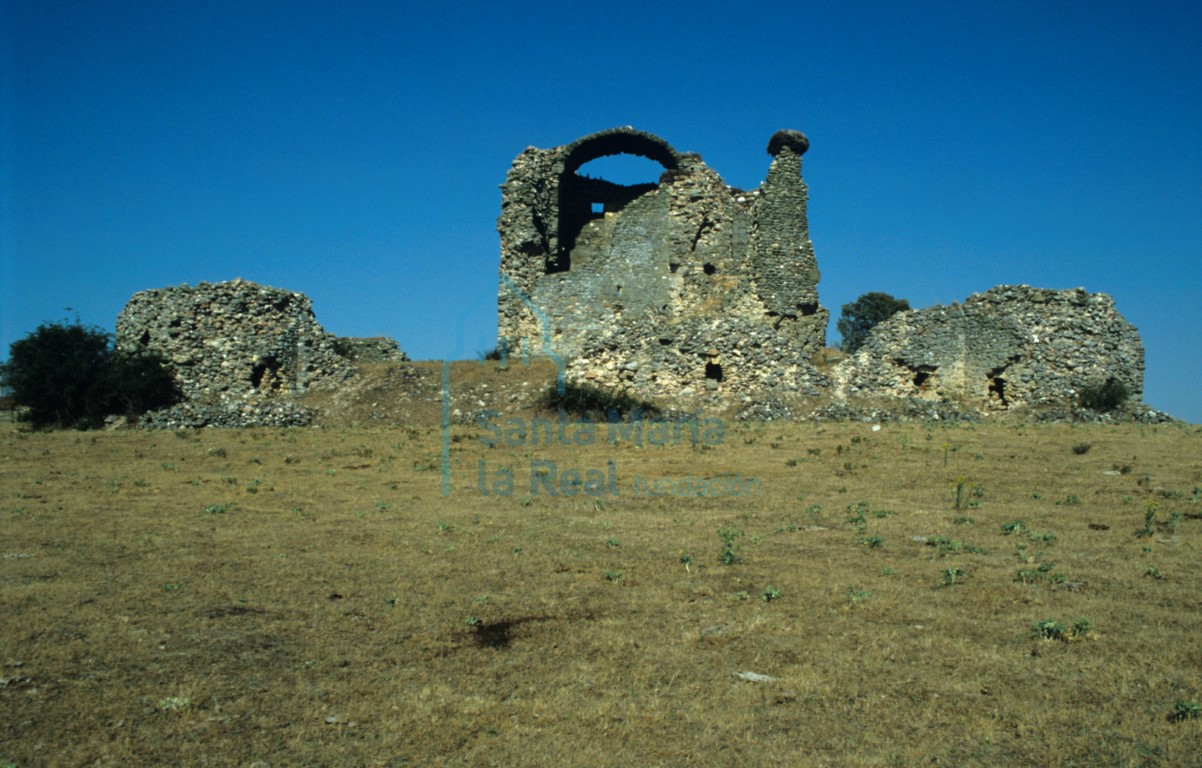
[[352, 150]]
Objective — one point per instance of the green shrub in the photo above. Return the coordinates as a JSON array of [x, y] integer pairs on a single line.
[[862, 315], [730, 536], [1185, 709], [140, 382], [68, 375], [587, 401], [1108, 396]]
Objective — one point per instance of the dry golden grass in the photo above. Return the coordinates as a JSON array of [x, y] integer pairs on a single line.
[[310, 598]]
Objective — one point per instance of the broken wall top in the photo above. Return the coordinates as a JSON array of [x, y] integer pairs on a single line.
[[233, 339], [1012, 345]]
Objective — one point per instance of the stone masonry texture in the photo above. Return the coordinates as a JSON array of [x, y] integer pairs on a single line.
[[686, 292], [1010, 346], [686, 288], [690, 292], [239, 350]]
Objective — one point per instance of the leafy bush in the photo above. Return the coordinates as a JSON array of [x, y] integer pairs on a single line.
[[139, 383], [1104, 397], [587, 401], [68, 375], [862, 315]]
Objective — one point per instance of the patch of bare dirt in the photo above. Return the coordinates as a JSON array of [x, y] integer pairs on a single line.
[[400, 394]]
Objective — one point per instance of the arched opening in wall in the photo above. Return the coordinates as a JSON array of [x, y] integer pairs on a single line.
[[604, 173], [610, 183], [144, 339], [709, 269], [713, 371], [623, 169]]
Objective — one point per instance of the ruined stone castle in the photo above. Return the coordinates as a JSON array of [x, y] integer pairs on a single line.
[[684, 287], [686, 292], [691, 291]]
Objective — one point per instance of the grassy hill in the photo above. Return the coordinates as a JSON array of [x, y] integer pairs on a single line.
[[992, 594]]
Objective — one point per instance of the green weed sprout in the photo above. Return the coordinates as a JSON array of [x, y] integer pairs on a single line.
[[1149, 520], [729, 555]]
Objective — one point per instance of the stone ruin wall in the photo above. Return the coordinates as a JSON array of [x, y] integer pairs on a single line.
[[695, 293], [685, 291], [1011, 346], [238, 350], [370, 349], [686, 288]]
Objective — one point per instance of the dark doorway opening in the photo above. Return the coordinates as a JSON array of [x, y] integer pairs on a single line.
[[922, 376], [265, 375], [997, 388]]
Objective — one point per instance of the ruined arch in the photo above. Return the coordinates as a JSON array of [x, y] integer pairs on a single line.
[[619, 141], [582, 199]]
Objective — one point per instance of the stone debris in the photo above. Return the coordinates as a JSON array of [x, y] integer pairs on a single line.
[[756, 677], [260, 413]]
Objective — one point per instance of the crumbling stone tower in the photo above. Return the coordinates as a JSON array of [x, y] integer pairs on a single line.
[[682, 287]]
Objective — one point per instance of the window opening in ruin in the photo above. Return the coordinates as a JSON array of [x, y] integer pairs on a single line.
[[709, 269], [673, 266], [265, 375], [922, 376], [144, 340], [713, 371], [807, 309], [617, 175], [997, 387]]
